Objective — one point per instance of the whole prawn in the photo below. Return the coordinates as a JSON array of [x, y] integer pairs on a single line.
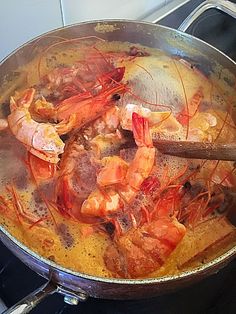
[[85, 90], [143, 250]]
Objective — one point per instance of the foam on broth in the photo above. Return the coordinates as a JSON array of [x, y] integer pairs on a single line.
[[159, 79]]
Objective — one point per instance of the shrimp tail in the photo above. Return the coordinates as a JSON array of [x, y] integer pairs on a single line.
[[140, 128]]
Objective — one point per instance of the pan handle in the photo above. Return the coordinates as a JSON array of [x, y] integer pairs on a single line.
[[222, 5], [30, 301]]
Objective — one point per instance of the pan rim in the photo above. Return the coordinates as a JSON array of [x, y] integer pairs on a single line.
[[115, 21], [158, 280]]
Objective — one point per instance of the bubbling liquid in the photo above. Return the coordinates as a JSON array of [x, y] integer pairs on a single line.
[[158, 82]]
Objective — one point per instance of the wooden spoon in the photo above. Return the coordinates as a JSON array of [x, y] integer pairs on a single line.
[[188, 149], [197, 150]]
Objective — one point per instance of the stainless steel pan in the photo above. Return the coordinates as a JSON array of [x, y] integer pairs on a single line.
[[76, 286]]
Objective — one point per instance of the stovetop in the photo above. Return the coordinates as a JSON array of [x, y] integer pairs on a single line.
[[216, 294], [213, 26]]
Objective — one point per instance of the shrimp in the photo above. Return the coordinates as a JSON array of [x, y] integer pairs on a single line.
[[87, 110], [40, 139], [77, 179], [81, 162], [143, 250], [120, 180], [87, 103]]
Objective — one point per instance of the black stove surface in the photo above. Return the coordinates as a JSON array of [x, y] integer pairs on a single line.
[[214, 295], [213, 26]]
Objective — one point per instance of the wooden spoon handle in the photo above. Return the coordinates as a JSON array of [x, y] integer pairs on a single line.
[[197, 150]]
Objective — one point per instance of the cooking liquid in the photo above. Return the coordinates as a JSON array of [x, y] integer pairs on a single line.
[[160, 80]]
